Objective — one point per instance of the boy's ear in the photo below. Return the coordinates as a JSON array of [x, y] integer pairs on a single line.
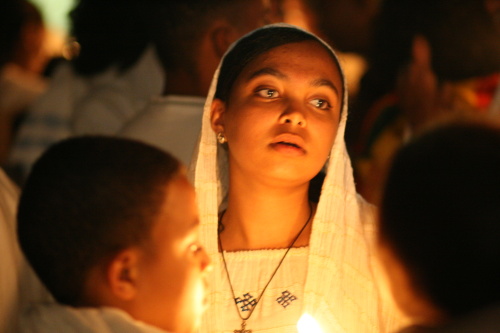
[[122, 274], [421, 52], [217, 111]]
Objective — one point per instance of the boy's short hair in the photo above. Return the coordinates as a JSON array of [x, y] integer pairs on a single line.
[[86, 199], [179, 36], [441, 215]]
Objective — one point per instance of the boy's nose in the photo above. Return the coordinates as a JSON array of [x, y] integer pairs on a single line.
[[206, 262]]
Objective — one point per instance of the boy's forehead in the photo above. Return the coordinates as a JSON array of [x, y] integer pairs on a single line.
[[178, 213]]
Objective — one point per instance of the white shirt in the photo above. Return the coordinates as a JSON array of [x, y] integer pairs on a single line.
[[51, 318], [171, 123], [75, 105], [18, 283]]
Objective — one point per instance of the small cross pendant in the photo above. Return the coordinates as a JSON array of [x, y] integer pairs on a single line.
[[243, 330]]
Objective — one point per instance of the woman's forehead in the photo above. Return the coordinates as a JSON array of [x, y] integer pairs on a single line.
[[311, 54], [312, 47]]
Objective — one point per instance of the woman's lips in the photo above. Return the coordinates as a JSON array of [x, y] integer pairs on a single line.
[[289, 143]]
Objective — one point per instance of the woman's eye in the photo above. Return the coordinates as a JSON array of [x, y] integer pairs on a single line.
[[268, 93], [320, 104]]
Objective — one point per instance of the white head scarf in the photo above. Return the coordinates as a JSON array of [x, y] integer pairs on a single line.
[[340, 290]]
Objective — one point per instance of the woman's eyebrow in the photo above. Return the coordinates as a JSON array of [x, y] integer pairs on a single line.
[[267, 71], [327, 83]]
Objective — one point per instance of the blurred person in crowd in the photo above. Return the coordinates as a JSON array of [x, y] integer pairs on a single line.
[[439, 229], [428, 58], [347, 25], [120, 66], [22, 61], [115, 72], [344, 23]]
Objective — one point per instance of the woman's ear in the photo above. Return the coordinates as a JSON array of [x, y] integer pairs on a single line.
[[217, 113], [122, 274]]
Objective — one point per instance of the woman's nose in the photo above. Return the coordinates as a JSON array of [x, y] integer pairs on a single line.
[[294, 114]]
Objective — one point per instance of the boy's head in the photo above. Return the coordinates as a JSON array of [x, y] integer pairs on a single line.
[[113, 222], [192, 39], [440, 222]]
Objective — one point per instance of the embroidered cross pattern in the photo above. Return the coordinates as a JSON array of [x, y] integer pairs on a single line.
[[247, 302], [286, 299]]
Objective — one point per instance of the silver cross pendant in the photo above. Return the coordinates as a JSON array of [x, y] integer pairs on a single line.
[[243, 330]]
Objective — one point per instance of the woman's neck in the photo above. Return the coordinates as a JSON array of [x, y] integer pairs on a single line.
[[264, 217]]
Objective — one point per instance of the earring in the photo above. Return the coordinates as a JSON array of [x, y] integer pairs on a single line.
[[221, 138]]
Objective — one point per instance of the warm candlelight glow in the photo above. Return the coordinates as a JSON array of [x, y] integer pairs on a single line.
[[307, 324]]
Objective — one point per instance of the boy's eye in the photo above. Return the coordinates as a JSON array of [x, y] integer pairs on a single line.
[[195, 248], [320, 104], [267, 93]]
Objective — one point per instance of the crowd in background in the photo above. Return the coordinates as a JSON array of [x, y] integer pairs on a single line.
[[423, 86]]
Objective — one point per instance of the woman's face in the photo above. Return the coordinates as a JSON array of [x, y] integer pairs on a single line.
[[282, 114]]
